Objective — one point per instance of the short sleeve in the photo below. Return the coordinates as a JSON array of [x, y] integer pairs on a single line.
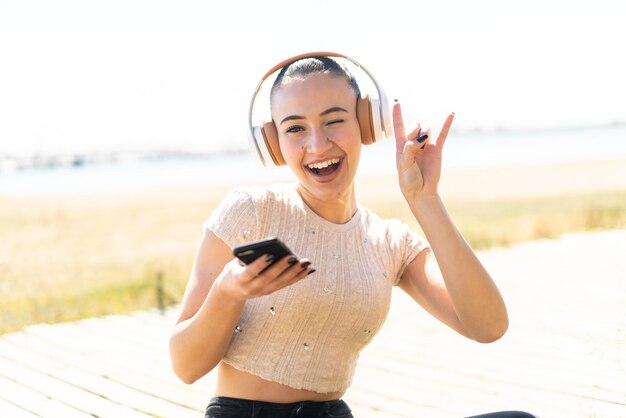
[[405, 245], [235, 219]]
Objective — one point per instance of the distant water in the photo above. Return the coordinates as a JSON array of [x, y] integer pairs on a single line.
[[461, 151]]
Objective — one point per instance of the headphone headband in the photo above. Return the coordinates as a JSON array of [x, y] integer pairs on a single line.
[[302, 56], [374, 115]]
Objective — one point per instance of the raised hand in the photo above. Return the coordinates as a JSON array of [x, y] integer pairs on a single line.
[[418, 163]]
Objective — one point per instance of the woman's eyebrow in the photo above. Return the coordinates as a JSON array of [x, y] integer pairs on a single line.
[[324, 113], [292, 117], [333, 109]]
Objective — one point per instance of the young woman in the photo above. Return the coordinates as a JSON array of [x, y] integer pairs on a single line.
[[285, 334]]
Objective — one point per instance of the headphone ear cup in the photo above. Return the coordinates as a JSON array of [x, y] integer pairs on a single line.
[[270, 138], [364, 116], [386, 117]]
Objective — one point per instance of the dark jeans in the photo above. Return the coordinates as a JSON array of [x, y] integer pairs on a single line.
[[224, 407], [505, 414]]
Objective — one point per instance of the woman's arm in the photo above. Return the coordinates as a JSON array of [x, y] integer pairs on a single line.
[[214, 299], [449, 281]]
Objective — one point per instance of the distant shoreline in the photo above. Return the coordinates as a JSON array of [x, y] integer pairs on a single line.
[[120, 172], [13, 162]]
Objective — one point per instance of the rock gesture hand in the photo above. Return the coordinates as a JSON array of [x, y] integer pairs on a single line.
[[418, 159]]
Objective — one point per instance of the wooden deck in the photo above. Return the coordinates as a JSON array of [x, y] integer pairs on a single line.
[[564, 354]]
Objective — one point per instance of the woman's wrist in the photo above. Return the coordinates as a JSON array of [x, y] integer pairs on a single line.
[[429, 211], [221, 295], [422, 200]]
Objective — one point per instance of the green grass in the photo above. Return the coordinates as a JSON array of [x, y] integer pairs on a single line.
[[494, 222], [501, 222], [160, 289], [62, 260]]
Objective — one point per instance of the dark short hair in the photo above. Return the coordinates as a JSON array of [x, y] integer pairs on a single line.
[[311, 65]]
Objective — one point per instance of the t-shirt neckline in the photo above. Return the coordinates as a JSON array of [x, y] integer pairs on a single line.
[[317, 219]]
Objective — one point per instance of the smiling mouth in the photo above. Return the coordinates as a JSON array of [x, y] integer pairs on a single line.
[[325, 167]]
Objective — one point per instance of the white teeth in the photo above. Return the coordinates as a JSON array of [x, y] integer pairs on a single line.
[[324, 164]]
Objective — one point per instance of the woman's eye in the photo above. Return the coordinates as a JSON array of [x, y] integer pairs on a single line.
[[294, 129], [334, 121]]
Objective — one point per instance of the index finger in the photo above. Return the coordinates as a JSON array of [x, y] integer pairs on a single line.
[[283, 266], [398, 127], [264, 262]]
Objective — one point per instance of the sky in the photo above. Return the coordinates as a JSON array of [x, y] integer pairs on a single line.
[[137, 75]]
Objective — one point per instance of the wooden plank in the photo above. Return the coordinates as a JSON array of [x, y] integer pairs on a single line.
[[11, 410], [127, 396], [76, 344], [126, 332], [157, 381], [68, 394], [449, 394], [444, 365], [575, 378], [106, 349], [99, 342], [557, 359], [102, 386], [374, 398], [31, 400]]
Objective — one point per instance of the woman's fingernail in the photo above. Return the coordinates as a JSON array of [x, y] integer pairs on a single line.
[[269, 258], [311, 272], [422, 138], [292, 260], [306, 264]]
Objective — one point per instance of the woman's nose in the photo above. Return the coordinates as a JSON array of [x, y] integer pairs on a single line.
[[319, 142]]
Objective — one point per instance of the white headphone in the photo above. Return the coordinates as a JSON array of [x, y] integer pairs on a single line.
[[373, 114]]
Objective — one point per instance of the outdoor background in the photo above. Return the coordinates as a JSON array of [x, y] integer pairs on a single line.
[[123, 123]]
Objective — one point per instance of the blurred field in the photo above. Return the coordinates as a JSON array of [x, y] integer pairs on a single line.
[[68, 258]]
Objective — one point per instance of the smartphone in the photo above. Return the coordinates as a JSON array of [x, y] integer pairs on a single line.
[[253, 250]]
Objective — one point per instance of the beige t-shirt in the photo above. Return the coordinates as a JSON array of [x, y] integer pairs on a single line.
[[309, 335]]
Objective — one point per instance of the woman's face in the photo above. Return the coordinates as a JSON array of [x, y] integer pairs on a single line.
[[318, 133]]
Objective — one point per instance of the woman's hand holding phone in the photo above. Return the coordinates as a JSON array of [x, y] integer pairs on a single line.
[[262, 268]]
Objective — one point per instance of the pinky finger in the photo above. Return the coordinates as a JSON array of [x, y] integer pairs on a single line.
[[445, 130]]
